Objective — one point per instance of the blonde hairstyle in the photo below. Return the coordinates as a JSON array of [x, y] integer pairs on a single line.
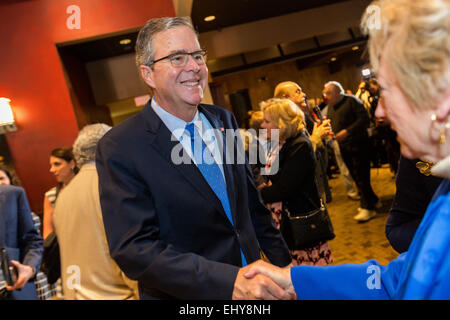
[[256, 118], [286, 115], [419, 45]]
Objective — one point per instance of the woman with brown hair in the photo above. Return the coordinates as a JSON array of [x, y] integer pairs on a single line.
[[63, 167]]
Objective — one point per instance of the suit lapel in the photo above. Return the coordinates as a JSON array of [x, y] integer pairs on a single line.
[[162, 141], [217, 124]]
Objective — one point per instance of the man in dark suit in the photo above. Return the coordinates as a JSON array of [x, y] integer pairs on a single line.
[[21, 240], [184, 230]]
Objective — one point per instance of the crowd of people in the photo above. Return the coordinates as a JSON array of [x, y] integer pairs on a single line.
[[162, 207]]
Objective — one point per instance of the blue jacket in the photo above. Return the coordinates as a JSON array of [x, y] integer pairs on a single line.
[[423, 272], [18, 234]]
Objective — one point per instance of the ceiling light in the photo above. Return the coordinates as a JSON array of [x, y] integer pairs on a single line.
[[333, 59], [125, 41], [354, 48], [210, 18]]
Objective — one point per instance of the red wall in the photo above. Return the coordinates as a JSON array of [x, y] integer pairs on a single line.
[[31, 74]]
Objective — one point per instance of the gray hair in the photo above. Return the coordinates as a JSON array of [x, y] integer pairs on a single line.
[[144, 50], [86, 143], [337, 85]]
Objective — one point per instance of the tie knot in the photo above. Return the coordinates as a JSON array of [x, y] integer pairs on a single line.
[[190, 129]]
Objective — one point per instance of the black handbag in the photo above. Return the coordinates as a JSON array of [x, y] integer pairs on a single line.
[[51, 263], [306, 230]]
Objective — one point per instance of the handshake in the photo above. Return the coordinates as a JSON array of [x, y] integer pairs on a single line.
[[264, 281]]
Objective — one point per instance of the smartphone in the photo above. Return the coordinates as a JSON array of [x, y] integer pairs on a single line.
[[9, 271]]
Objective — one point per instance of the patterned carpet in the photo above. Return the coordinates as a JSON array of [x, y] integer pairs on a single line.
[[358, 242]]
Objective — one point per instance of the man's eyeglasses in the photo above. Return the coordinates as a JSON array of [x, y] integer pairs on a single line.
[[180, 59]]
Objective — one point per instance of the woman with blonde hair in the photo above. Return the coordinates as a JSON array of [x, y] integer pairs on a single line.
[[409, 45], [292, 190]]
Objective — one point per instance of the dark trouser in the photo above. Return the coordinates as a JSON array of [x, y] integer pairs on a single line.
[[357, 160]]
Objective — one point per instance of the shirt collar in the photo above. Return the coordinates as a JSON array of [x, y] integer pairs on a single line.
[[173, 123]]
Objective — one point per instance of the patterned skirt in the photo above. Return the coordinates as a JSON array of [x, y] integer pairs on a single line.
[[319, 255]]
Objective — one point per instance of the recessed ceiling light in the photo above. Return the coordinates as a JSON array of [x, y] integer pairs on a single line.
[[333, 59], [125, 41], [354, 48], [210, 18]]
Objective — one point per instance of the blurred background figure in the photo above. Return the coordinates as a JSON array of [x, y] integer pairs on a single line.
[[293, 187], [7, 178], [63, 167], [87, 270], [415, 189], [383, 140], [350, 121], [256, 146], [44, 290]]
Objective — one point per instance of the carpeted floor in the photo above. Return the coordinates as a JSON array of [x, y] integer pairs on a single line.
[[358, 242]]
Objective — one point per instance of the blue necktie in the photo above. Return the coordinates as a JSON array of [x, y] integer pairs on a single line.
[[212, 174]]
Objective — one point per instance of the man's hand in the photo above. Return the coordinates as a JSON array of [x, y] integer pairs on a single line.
[[341, 135], [24, 273], [282, 276], [257, 286]]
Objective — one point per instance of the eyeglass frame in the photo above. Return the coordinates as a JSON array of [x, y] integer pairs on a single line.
[[201, 51]]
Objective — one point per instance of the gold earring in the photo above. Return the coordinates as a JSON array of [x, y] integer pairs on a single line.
[[443, 129], [443, 132]]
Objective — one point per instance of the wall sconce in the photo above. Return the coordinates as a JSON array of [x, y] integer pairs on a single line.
[[7, 123]]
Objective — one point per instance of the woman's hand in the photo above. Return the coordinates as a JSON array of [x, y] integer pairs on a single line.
[[323, 129]]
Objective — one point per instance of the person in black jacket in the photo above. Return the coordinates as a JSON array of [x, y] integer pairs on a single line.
[[350, 121], [293, 186], [414, 192]]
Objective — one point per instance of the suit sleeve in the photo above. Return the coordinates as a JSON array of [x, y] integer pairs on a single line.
[[269, 237], [132, 231], [30, 242], [366, 281]]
